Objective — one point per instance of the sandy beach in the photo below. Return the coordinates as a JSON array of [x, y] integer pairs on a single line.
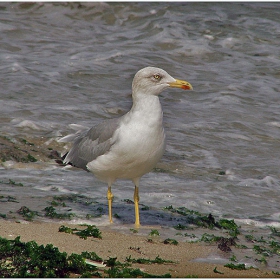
[[114, 244]]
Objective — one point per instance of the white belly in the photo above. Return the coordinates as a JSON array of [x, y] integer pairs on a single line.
[[136, 150]]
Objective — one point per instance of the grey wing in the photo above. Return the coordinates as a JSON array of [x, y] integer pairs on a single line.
[[97, 141]]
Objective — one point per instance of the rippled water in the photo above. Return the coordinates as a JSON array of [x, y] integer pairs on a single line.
[[74, 63]]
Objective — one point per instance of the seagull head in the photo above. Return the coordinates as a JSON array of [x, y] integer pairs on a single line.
[[152, 81]]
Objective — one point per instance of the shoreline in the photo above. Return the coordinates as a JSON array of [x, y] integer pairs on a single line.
[[114, 244], [203, 260]]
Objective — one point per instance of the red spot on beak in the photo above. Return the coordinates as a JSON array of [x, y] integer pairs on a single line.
[[186, 87]]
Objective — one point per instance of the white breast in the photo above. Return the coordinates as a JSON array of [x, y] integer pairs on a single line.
[[139, 143]]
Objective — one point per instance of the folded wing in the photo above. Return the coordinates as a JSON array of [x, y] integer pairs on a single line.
[[92, 143]]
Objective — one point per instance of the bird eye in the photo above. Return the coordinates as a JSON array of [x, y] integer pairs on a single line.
[[157, 77]]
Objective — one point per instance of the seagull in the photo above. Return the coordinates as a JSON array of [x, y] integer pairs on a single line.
[[129, 146]]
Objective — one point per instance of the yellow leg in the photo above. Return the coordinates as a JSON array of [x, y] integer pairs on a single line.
[[136, 205], [110, 199]]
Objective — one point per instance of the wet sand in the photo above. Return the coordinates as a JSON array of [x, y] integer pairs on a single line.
[[114, 244]]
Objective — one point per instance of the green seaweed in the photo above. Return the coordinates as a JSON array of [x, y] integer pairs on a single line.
[[202, 220], [8, 198], [55, 203], [117, 216], [233, 258], [73, 198], [27, 214], [133, 230], [24, 260], [128, 201], [266, 247], [21, 260], [29, 158], [209, 238], [262, 260], [145, 208], [157, 260], [170, 241], [90, 231], [249, 237], [240, 266], [194, 217], [121, 270], [91, 256], [229, 225], [127, 272], [224, 243], [275, 247], [180, 227], [51, 213], [154, 232], [150, 240], [262, 250], [12, 182], [26, 142], [217, 271], [190, 235], [274, 231], [90, 216]]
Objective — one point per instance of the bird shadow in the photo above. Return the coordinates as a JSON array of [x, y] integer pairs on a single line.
[[124, 214], [95, 211]]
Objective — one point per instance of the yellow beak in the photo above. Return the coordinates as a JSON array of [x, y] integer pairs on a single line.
[[181, 84]]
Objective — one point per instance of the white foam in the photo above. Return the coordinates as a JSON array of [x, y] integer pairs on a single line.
[[229, 42], [29, 124], [267, 181], [260, 224], [277, 124]]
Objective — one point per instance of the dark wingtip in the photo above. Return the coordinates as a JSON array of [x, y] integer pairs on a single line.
[[58, 159]]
